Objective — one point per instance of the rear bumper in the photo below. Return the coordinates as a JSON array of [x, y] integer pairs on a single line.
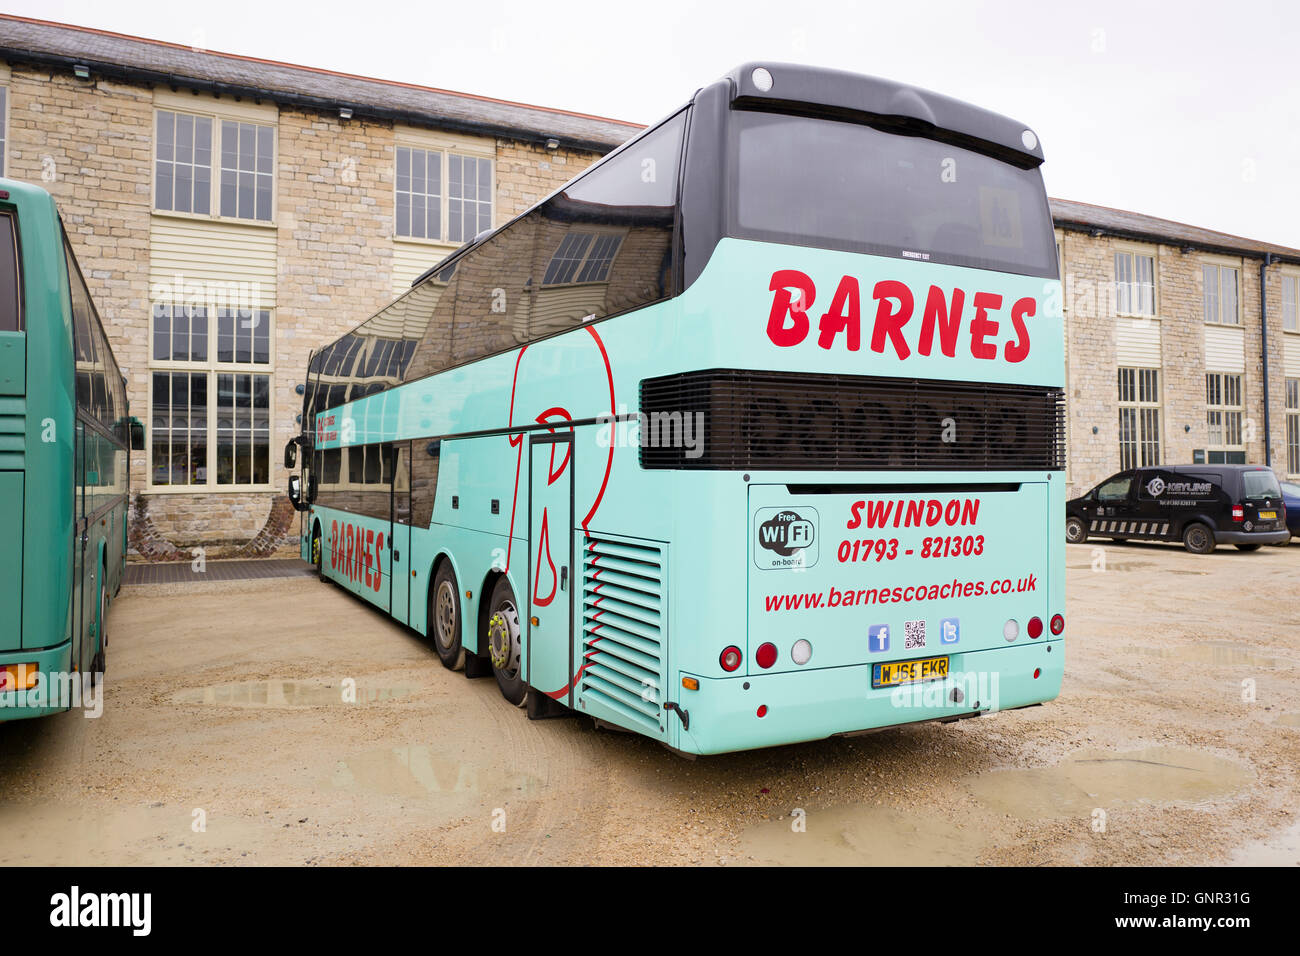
[[1252, 537], [46, 698], [812, 705]]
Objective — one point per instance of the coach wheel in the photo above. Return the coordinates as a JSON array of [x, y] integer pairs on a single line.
[[444, 618], [315, 551], [505, 647], [1247, 547], [1198, 539], [1076, 532], [97, 663]]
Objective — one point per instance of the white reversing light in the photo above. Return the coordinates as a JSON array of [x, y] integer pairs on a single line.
[[801, 653], [762, 79], [1011, 630]]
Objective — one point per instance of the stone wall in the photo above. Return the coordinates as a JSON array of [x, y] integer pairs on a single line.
[[1092, 390], [91, 144]]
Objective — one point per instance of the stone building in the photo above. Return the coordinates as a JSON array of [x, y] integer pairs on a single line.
[[232, 214], [1170, 358]]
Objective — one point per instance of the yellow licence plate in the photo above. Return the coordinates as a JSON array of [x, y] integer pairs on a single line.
[[908, 672], [1268, 516]]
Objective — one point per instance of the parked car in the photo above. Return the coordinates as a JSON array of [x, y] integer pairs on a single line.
[[1291, 495], [1200, 505]]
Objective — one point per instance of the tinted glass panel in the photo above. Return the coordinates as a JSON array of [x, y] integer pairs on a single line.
[[1260, 484], [602, 246], [818, 182], [100, 391], [10, 300], [1116, 489]]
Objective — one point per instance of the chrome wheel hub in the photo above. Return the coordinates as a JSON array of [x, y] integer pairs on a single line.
[[503, 639], [445, 614]]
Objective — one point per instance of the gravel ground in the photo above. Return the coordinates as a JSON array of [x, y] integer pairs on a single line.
[[225, 739]]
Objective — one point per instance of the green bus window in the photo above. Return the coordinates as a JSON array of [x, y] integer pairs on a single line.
[[11, 319]]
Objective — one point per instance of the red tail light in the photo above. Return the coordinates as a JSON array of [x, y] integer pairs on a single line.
[[1035, 627], [765, 655], [730, 658], [1058, 624], [1238, 513]]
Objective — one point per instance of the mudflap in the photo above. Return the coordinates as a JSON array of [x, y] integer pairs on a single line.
[[477, 665], [542, 706]]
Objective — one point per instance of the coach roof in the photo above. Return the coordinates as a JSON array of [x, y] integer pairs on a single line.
[[853, 96]]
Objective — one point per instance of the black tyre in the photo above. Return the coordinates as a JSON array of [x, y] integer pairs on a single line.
[[100, 660], [1247, 547], [444, 618], [505, 645], [1198, 539], [316, 559], [1076, 532]]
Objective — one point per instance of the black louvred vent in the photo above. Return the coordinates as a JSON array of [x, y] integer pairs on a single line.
[[733, 419]]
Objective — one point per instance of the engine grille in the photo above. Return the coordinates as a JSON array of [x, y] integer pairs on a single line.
[[807, 421]]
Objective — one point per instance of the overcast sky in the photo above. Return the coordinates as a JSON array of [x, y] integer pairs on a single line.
[[1189, 111]]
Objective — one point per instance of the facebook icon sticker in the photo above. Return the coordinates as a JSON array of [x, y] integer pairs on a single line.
[[949, 630], [878, 638]]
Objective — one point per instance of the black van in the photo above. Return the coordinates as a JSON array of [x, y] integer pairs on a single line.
[[1199, 505]]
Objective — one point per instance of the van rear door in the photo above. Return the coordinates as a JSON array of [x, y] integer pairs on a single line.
[[1261, 501]]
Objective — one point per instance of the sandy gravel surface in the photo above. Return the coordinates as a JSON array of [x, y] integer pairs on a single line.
[[225, 739]]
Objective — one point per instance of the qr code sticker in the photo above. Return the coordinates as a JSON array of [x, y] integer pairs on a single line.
[[913, 634]]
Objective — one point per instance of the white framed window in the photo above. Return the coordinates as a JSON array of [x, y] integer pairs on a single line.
[[247, 170], [469, 196], [1290, 303], [419, 193], [187, 150], [1135, 284], [1293, 427], [1220, 294], [442, 195], [1139, 417], [210, 387], [1223, 416]]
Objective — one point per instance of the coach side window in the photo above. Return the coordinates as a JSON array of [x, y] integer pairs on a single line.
[[10, 296], [491, 299], [604, 244]]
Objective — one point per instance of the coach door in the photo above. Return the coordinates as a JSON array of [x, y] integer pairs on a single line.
[[399, 535], [549, 650]]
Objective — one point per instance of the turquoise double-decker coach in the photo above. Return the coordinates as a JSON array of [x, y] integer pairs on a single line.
[[64, 436], [751, 434]]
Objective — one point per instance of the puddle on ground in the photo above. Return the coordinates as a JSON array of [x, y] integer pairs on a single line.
[[417, 771], [864, 836], [1087, 781], [1212, 652], [1289, 720], [62, 835], [1279, 849], [287, 693]]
